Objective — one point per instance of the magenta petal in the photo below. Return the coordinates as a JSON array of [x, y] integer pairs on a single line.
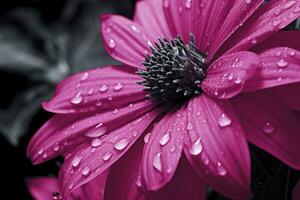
[[62, 133], [269, 19], [185, 185], [42, 188], [150, 15], [125, 40], [226, 76], [296, 191], [289, 39], [92, 158], [238, 14], [96, 90], [163, 150], [203, 19], [279, 66], [270, 125], [217, 148], [125, 180]]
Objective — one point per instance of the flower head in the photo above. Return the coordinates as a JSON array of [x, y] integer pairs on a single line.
[[199, 80]]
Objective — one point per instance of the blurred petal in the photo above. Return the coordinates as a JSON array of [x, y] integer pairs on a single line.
[[96, 90], [296, 191], [125, 40], [42, 188], [217, 148], [269, 19], [185, 184], [226, 76], [163, 150], [62, 133], [279, 66], [270, 126], [82, 165]]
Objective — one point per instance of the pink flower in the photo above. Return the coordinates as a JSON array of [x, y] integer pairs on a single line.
[[230, 77], [47, 188]]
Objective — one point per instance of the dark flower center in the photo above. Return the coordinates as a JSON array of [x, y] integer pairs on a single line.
[[174, 70]]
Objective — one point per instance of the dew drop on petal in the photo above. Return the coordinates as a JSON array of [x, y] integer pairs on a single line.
[[238, 80], [45, 155], [76, 161], [107, 156], [121, 144], [115, 111], [166, 3], [100, 130], [157, 162], [112, 43], [169, 169], [220, 169], [118, 87], [282, 63], [96, 142], [190, 126], [268, 128], [71, 186], [56, 147], [41, 151], [173, 149], [224, 121], [103, 88], [139, 181], [248, 1], [188, 4], [85, 76], [205, 159], [147, 137], [85, 171], [77, 99], [164, 139], [196, 148], [135, 29]]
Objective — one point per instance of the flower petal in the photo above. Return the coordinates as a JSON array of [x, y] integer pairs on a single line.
[[88, 160], [184, 185], [269, 19], [62, 133], [124, 181], [289, 39], [270, 125], [279, 66], [238, 14], [217, 148], [296, 191], [125, 40], [163, 150], [42, 188], [150, 15], [226, 76], [96, 90], [202, 18]]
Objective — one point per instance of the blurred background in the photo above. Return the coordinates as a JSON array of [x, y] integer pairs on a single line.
[[42, 42]]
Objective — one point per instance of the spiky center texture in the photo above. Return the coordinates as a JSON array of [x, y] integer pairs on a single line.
[[174, 70]]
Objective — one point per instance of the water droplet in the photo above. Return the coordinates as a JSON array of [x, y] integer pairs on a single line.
[[107, 156], [135, 29], [254, 41], [91, 91], [41, 151], [134, 133], [96, 142], [248, 1], [196, 148], [282, 63], [71, 186], [188, 4], [85, 171], [169, 169], [45, 155], [77, 99], [190, 126], [76, 161], [292, 53], [103, 88], [121, 144], [56, 196], [205, 159], [268, 128], [109, 97], [85, 76], [115, 111], [164, 139], [99, 103], [166, 3], [56, 147], [157, 162], [139, 181], [221, 170], [112, 43], [98, 131], [238, 80], [118, 87], [147, 137], [224, 121]]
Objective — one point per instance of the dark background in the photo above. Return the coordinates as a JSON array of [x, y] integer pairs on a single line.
[[43, 41]]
